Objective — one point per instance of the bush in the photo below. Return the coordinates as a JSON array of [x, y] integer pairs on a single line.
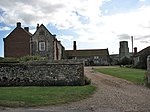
[[9, 60], [87, 81], [146, 79], [125, 61], [32, 58], [22, 59]]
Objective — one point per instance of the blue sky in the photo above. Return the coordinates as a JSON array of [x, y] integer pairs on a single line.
[[94, 24]]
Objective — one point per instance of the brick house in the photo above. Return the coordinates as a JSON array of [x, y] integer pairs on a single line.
[[17, 43]]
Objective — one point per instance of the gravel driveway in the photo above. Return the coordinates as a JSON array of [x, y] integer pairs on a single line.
[[112, 95]]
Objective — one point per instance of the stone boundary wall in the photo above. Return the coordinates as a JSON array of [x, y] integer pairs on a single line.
[[42, 74]]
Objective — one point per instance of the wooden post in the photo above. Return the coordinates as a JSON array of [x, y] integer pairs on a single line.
[[148, 69]]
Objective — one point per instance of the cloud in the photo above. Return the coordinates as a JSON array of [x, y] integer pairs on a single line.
[[138, 37], [64, 37], [142, 0], [124, 36], [29, 11], [84, 17], [57, 12], [144, 42], [5, 28]]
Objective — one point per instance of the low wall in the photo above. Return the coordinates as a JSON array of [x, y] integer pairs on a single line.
[[42, 74]]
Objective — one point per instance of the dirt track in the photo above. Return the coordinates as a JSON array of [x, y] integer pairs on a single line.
[[112, 95]]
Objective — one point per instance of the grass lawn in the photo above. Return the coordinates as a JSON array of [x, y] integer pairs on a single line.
[[36, 96], [130, 74]]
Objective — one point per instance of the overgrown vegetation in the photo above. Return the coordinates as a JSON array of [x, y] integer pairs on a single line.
[[87, 81], [22, 59], [37, 96], [32, 58], [125, 61], [130, 74], [9, 60]]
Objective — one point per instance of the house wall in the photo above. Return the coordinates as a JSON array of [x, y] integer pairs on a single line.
[[60, 51], [49, 43], [17, 44], [94, 60], [136, 60], [42, 74], [98, 60], [140, 59]]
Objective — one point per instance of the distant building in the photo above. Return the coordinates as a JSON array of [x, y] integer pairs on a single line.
[[124, 54], [124, 50], [20, 42], [114, 59], [89, 56], [17, 43], [140, 58]]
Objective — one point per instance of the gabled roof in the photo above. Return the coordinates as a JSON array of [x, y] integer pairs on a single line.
[[147, 50], [53, 36], [28, 33], [88, 52], [45, 29]]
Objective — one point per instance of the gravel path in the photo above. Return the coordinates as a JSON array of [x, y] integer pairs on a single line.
[[112, 95]]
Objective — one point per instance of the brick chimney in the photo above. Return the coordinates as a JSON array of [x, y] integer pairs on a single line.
[[26, 28], [74, 45], [54, 35], [18, 25], [135, 50], [37, 26]]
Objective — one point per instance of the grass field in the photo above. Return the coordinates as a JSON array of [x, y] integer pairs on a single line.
[[36, 96], [130, 74]]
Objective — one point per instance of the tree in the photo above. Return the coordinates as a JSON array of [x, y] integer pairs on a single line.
[[125, 61]]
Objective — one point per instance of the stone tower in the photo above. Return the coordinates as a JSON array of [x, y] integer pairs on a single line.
[[124, 49]]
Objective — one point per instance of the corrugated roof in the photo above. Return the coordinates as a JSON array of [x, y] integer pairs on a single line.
[[88, 52]]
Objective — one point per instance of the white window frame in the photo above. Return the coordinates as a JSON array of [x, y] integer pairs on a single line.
[[96, 57], [41, 46]]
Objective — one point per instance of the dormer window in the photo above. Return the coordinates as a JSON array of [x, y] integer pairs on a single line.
[[41, 46]]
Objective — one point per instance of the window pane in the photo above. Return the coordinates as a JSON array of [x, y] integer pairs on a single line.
[[41, 46]]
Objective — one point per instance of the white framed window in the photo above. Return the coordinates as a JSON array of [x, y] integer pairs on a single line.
[[41, 46], [96, 57]]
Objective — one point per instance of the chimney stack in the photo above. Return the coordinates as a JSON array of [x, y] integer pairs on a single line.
[[26, 28], [18, 25], [135, 50], [37, 27], [54, 35], [74, 45]]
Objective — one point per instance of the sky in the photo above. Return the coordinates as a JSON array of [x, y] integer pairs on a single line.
[[94, 24]]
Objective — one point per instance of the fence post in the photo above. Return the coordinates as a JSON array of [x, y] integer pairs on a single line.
[[148, 69]]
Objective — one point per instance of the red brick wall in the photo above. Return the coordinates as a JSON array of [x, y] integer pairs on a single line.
[[17, 43]]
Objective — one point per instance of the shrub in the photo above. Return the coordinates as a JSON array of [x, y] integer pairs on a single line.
[[125, 61], [32, 58], [9, 60], [87, 81], [146, 79]]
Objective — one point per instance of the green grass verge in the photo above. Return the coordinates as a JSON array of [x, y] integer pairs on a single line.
[[37, 96], [130, 74]]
